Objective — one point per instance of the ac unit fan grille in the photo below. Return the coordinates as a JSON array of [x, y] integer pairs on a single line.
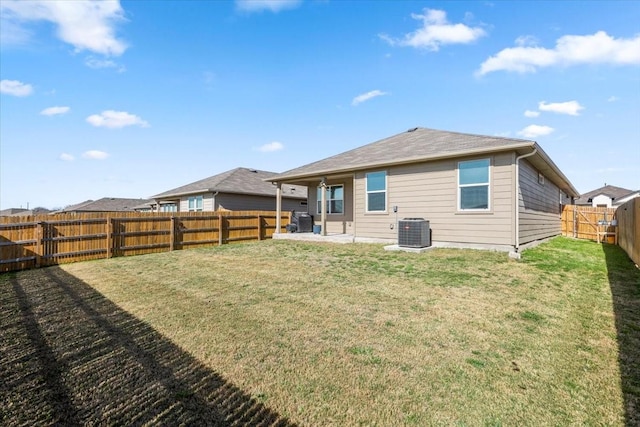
[[414, 233]]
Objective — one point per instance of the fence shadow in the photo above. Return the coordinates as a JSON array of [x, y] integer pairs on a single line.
[[69, 356], [624, 279]]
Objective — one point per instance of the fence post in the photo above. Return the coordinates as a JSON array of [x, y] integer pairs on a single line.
[[172, 233], [109, 226], [220, 227], [259, 227], [39, 237]]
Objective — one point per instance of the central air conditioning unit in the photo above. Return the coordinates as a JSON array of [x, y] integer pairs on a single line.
[[305, 223], [414, 233]]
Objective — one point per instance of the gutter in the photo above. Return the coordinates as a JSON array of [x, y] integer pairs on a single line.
[[517, 199]]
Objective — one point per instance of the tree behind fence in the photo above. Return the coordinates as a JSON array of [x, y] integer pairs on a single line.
[[35, 241]]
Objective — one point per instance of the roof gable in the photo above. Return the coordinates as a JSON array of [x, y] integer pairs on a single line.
[[610, 191]]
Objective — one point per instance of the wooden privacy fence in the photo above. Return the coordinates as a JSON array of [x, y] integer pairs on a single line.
[[629, 224], [586, 222], [27, 242]]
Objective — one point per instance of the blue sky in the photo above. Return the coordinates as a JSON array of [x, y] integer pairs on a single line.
[[133, 98]]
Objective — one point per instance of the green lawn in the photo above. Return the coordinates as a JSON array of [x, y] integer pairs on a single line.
[[322, 334]]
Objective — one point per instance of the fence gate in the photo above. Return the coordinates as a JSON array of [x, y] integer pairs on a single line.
[[586, 222]]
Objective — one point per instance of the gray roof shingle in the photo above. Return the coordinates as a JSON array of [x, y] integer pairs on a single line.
[[106, 204], [413, 145], [238, 181], [423, 144]]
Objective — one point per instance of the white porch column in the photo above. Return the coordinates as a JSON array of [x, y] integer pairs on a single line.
[[278, 207], [323, 209]]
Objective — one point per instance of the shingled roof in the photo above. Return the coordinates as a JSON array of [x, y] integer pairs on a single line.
[[106, 204], [608, 190], [423, 144], [238, 181]]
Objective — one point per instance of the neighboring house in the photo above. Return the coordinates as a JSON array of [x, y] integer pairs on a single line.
[[235, 190], [15, 212], [473, 189], [608, 196], [106, 204]]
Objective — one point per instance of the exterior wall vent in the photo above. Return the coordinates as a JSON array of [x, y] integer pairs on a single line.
[[414, 233]]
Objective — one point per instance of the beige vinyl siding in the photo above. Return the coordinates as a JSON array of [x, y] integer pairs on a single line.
[[430, 190], [241, 202], [207, 202], [246, 202], [539, 206], [341, 224]]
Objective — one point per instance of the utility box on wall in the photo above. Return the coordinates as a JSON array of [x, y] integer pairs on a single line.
[[414, 233]]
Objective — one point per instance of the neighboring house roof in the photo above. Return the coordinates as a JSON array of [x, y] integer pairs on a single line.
[[24, 212], [422, 144], [14, 211], [106, 204], [610, 191], [239, 181]]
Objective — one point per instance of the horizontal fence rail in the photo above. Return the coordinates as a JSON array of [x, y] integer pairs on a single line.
[[38, 241]]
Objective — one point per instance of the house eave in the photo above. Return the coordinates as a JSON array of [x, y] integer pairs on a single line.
[[545, 164], [285, 178], [211, 190]]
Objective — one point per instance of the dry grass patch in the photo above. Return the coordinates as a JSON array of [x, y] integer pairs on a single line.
[[352, 335]]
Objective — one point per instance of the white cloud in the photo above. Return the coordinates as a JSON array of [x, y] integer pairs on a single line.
[[115, 120], [599, 48], [54, 111], [15, 88], [367, 96], [96, 63], [272, 146], [534, 131], [87, 25], [95, 155], [271, 5], [613, 99], [66, 157], [435, 32], [526, 41], [529, 113], [571, 108]]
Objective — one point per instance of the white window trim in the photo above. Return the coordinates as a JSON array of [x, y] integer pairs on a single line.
[[328, 200], [195, 199], [367, 192], [488, 184]]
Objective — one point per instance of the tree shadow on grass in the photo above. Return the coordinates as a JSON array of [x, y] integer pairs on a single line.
[[70, 356], [624, 279]]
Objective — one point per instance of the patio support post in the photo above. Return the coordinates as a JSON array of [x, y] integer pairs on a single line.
[[278, 206], [323, 209]]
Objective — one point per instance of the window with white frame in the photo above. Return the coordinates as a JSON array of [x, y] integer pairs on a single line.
[[335, 199], [195, 204], [168, 207], [376, 183], [473, 185]]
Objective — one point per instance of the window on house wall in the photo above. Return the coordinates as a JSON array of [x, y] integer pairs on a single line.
[[169, 207], [376, 183], [335, 199], [195, 204], [473, 185]]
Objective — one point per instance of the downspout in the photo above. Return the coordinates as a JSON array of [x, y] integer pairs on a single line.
[[517, 198], [214, 200]]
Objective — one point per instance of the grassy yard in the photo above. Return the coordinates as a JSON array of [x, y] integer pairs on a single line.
[[319, 334]]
